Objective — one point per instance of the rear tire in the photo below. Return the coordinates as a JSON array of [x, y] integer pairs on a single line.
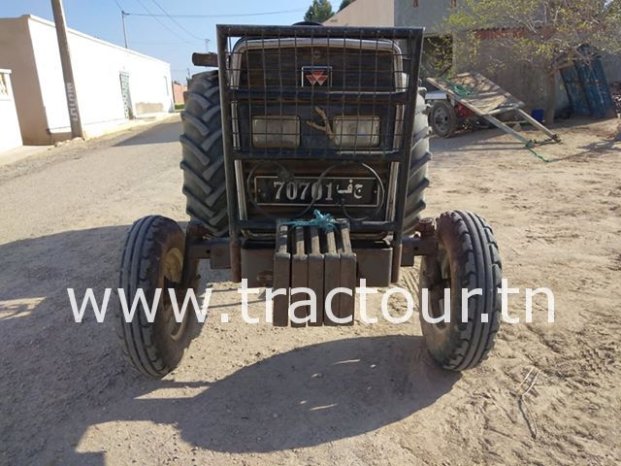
[[467, 258], [204, 181], [153, 258], [443, 119], [420, 156]]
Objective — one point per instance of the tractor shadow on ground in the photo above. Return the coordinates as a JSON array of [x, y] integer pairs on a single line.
[[61, 378], [309, 396], [160, 134]]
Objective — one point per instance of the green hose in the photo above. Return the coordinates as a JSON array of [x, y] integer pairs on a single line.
[[532, 151]]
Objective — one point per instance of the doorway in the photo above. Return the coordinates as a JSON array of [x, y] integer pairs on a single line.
[[125, 94]]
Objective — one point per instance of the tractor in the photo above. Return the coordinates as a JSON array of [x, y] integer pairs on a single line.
[[305, 165]]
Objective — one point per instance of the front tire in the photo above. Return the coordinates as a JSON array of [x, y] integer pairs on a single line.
[[153, 258], [467, 259]]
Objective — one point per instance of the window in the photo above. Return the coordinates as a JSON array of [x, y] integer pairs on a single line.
[[415, 3]]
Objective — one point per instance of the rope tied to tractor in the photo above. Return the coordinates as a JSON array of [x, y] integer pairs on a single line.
[[319, 220]]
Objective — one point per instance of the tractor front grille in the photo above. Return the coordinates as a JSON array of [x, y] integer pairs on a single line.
[[356, 66], [317, 117]]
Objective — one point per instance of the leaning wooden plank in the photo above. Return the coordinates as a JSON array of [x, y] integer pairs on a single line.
[[507, 129], [538, 125], [487, 99], [476, 92]]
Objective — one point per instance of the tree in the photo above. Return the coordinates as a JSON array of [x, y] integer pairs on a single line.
[[319, 12], [345, 4], [547, 34]]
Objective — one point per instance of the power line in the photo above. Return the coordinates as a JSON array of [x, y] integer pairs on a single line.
[[194, 36], [156, 18], [232, 15], [171, 17]]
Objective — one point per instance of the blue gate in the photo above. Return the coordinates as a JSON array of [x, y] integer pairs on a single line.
[[588, 89]]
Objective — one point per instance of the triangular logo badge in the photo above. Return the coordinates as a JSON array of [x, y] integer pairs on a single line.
[[316, 75]]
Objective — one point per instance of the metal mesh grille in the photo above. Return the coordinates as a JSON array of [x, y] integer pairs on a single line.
[[343, 60], [317, 117]]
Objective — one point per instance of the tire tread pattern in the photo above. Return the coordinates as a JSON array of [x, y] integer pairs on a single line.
[[420, 156], [481, 267], [204, 184], [139, 270]]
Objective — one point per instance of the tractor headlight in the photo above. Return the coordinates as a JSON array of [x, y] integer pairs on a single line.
[[276, 131], [357, 131]]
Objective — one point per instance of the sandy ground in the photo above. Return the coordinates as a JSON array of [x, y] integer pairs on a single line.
[[549, 394]]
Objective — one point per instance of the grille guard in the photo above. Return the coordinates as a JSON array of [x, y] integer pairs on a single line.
[[239, 100]]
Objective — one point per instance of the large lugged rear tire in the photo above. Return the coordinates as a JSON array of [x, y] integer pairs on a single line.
[[417, 182], [204, 182], [153, 258], [467, 258]]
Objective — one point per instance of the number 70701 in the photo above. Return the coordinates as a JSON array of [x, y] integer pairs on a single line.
[[299, 190]]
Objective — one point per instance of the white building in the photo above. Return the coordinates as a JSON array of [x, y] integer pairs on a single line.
[[112, 84], [375, 13], [10, 136]]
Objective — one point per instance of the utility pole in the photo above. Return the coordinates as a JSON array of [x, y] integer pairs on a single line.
[[123, 15], [65, 61], [207, 45]]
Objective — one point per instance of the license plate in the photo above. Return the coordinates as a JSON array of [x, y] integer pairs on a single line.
[[350, 191]]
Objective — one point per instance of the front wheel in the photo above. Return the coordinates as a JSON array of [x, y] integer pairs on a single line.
[[153, 259], [467, 259]]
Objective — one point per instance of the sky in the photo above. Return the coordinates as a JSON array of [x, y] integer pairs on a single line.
[[162, 37]]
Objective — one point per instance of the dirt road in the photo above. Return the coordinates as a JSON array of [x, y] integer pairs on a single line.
[[549, 394]]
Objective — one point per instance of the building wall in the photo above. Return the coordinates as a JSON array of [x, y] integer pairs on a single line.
[[178, 92], [495, 62], [429, 14], [504, 68], [96, 67], [379, 13], [10, 135], [16, 54], [29, 46], [612, 67]]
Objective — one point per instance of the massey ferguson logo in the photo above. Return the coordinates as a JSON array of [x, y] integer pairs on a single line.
[[316, 75]]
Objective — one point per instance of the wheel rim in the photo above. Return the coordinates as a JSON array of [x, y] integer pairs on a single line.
[[441, 119], [437, 282], [173, 268]]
